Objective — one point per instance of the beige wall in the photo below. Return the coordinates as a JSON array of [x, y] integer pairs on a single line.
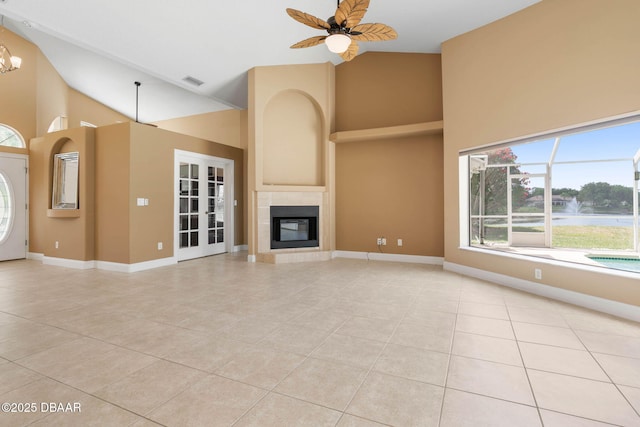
[[113, 193], [390, 188], [379, 89], [152, 177], [292, 141], [18, 89], [35, 95], [72, 229], [228, 127], [225, 127], [131, 160], [558, 63], [52, 95], [83, 108], [13, 150]]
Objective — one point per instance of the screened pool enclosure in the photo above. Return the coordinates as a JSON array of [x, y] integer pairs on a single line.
[[573, 190]]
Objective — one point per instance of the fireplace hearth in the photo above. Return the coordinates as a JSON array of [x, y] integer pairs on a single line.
[[294, 227]]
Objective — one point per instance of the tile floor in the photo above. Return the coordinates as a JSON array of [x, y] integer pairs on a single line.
[[221, 342]]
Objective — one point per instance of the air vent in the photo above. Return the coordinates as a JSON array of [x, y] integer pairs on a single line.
[[193, 81]]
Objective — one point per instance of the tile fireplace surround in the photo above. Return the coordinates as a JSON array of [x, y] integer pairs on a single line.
[[266, 199]]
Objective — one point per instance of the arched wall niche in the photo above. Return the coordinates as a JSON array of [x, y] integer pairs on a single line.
[[63, 145], [293, 140]]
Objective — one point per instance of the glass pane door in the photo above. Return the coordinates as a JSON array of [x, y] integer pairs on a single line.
[[201, 214], [215, 213], [189, 221]]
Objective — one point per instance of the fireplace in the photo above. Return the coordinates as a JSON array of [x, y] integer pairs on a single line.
[[294, 227]]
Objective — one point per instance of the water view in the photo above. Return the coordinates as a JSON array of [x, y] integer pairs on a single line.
[[593, 180]]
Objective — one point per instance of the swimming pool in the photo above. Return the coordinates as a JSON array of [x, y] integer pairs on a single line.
[[617, 262]]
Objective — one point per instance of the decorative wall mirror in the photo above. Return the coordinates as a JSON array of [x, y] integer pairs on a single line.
[[65, 181]]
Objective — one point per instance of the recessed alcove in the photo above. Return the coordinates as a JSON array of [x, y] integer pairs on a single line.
[[292, 141]]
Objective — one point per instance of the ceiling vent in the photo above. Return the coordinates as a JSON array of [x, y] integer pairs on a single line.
[[193, 81]]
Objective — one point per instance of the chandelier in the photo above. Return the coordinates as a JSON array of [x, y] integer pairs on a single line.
[[7, 61]]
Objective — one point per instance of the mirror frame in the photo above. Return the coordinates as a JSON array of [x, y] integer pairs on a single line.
[[64, 193]]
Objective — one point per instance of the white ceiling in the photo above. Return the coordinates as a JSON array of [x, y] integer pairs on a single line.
[[101, 47]]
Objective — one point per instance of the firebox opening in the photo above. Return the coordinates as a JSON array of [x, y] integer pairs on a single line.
[[294, 227]]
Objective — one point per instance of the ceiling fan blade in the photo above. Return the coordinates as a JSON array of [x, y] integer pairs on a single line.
[[373, 32], [351, 12], [351, 52], [307, 19], [311, 41]]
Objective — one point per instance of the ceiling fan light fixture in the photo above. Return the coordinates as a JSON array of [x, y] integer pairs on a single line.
[[344, 29], [338, 43]]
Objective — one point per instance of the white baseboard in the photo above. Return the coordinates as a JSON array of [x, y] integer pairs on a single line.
[[615, 308], [139, 266], [251, 258], [69, 263], [377, 256], [35, 256], [104, 265], [240, 248]]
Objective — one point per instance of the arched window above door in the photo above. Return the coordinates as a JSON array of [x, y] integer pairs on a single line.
[[10, 137]]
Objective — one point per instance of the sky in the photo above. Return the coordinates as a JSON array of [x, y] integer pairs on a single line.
[[618, 142]]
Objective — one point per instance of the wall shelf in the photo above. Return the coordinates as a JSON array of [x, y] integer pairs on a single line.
[[63, 213], [426, 128]]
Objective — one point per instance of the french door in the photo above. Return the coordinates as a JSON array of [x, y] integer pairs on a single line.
[[204, 203], [13, 207]]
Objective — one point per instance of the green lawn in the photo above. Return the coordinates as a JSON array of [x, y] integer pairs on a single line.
[[574, 237], [593, 237]]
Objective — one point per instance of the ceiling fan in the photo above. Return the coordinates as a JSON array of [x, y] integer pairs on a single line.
[[344, 29]]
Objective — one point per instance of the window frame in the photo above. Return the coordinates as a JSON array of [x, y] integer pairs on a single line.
[[17, 134], [464, 168]]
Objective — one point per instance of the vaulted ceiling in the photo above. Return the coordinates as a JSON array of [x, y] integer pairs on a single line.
[[101, 47]]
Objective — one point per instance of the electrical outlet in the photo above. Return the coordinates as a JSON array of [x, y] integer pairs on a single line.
[[537, 273], [399, 242], [379, 241], [384, 241], [159, 246], [57, 244]]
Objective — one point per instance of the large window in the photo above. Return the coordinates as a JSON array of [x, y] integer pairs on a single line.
[[10, 137], [571, 195]]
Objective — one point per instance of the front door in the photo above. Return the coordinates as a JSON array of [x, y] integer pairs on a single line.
[[13, 207], [203, 212]]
